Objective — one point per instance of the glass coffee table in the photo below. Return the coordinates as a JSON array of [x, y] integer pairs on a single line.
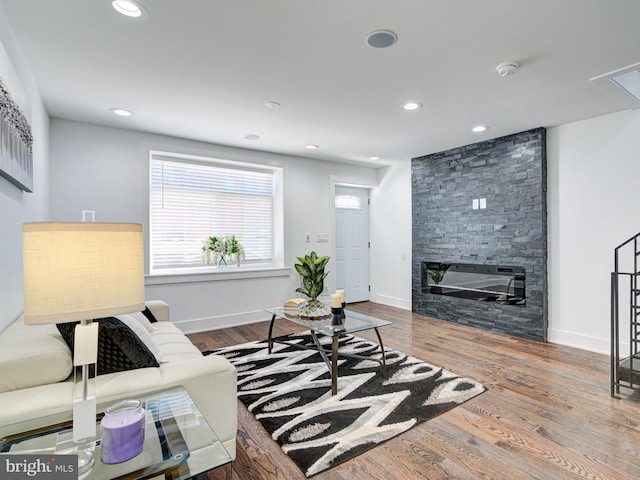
[[178, 444], [353, 322]]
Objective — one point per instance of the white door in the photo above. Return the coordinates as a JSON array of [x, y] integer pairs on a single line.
[[352, 243]]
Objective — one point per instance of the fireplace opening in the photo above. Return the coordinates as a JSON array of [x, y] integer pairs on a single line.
[[488, 283]]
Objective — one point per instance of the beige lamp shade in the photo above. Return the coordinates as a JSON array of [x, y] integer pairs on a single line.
[[81, 271]]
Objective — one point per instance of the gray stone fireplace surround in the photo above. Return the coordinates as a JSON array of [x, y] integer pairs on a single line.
[[510, 174]]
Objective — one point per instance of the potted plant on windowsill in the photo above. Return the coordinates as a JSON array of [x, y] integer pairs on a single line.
[[216, 251], [311, 270]]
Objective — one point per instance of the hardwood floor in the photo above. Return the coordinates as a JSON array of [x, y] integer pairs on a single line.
[[547, 413]]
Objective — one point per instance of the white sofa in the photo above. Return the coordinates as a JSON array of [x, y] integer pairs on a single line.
[[35, 380]]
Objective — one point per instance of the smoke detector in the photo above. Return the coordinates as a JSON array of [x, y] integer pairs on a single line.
[[506, 69]]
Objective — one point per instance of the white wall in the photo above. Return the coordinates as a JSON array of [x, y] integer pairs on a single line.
[[593, 178], [390, 232], [17, 206], [106, 170]]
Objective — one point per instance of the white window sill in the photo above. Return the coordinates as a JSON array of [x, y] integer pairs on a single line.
[[215, 274]]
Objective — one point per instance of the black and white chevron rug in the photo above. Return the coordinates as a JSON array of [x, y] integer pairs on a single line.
[[289, 392]]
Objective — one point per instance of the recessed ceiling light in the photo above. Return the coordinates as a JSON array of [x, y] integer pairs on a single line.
[[121, 111], [272, 105], [479, 128], [411, 106], [381, 39], [252, 136], [129, 8], [374, 158], [312, 147]]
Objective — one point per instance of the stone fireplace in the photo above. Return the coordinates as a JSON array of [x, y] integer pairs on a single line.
[[479, 213]]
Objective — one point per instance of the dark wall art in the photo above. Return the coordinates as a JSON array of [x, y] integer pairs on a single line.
[[16, 141]]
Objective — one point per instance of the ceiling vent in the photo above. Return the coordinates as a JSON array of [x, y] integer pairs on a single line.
[[622, 84]]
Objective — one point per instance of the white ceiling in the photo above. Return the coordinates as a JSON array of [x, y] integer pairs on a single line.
[[203, 69]]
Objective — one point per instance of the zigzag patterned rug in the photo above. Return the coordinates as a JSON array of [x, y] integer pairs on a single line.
[[289, 392]]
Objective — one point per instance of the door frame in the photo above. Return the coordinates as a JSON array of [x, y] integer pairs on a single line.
[[334, 181]]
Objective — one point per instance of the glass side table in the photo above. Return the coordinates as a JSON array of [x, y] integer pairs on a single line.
[[178, 441]]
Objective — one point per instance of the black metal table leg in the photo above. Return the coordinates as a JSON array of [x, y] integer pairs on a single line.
[[270, 338], [334, 365], [320, 349], [384, 357]]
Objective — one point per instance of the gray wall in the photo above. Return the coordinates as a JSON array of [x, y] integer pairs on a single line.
[[510, 172], [107, 170], [17, 206]]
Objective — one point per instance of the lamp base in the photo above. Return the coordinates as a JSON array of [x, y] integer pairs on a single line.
[[66, 445], [84, 431], [84, 418], [85, 459]]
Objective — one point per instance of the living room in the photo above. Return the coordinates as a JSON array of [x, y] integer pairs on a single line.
[[591, 167], [592, 164]]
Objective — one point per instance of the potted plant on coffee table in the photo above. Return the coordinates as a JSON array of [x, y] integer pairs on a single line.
[[311, 270]]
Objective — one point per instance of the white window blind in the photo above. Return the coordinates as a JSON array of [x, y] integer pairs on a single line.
[[192, 199]]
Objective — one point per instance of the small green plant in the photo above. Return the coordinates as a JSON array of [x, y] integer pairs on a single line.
[[311, 269], [437, 275]]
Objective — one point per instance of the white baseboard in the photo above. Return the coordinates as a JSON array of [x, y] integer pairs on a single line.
[[561, 337], [224, 321], [579, 340], [392, 301], [246, 318]]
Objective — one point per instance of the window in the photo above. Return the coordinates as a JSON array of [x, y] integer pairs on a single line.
[[350, 202], [192, 198]]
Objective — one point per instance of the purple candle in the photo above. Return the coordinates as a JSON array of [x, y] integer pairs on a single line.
[[122, 431]]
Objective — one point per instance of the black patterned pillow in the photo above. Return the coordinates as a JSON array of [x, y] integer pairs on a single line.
[[119, 348]]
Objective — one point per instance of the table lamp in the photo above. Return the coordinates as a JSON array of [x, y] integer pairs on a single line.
[[82, 271]]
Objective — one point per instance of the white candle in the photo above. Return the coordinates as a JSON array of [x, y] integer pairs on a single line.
[[335, 300], [341, 292]]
